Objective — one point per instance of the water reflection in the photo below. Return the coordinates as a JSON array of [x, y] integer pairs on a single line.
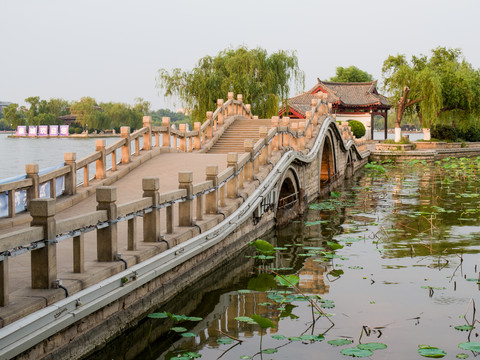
[[392, 257]]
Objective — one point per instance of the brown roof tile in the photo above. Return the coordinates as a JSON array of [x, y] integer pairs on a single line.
[[346, 94]]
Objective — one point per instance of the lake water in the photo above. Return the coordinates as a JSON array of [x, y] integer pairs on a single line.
[[17, 152], [391, 257]]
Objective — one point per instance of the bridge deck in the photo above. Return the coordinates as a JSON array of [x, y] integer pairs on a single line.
[[166, 167]]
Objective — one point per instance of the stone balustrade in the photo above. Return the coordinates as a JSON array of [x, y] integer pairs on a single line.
[[178, 139]]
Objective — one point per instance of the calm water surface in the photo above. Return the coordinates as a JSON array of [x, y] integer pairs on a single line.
[[406, 276], [17, 152]]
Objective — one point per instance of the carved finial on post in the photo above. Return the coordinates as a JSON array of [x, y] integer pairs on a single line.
[[210, 125]]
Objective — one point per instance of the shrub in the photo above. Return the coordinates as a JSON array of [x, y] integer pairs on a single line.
[[472, 133], [78, 130], [358, 128], [444, 132]]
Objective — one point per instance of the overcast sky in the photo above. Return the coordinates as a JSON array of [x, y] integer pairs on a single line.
[[111, 49]]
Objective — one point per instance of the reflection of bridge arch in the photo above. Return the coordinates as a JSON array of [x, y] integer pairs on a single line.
[[289, 196], [328, 163], [349, 167]]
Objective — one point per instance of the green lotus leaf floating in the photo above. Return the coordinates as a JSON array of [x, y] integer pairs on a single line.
[[244, 318], [161, 315], [431, 351], [178, 329], [245, 357], [224, 341], [372, 346], [340, 342], [464, 327], [188, 334], [462, 356], [269, 351], [294, 338], [470, 345], [279, 337], [356, 352], [313, 337], [287, 280]]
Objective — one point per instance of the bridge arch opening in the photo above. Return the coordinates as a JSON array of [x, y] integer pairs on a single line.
[[327, 170], [288, 203]]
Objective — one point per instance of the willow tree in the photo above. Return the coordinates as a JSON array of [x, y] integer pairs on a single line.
[[410, 83], [442, 87], [264, 80]]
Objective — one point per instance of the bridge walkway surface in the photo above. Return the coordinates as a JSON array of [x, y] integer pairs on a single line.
[[166, 167]]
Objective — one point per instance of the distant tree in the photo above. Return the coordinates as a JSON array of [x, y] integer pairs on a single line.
[[141, 106], [263, 80], [4, 125], [13, 116], [351, 74], [85, 110], [34, 102], [175, 117], [443, 86]]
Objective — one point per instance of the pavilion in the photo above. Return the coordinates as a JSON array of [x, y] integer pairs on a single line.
[[350, 101]]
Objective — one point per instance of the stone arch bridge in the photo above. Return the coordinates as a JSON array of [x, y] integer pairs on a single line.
[[80, 266]]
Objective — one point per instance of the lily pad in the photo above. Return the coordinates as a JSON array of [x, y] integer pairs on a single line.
[[162, 315], [279, 337], [372, 346], [356, 352], [464, 327], [431, 351], [178, 329], [470, 345], [224, 341], [340, 342], [462, 356], [270, 351], [287, 280], [188, 334]]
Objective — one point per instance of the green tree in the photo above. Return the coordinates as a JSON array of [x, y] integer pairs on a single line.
[[351, 74], [263, 80], [85, 110], [443, 87], [13, 116], [32, 112]]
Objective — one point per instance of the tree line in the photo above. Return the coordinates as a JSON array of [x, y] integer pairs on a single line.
[[89, 114]]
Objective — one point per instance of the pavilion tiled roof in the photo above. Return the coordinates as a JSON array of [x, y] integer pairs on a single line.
[[360, 94]]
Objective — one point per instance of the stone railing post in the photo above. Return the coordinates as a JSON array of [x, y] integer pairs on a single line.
[[147, 137], [248, 110], [308, 132], [197, 141], [255, 117], [250, 166], [33, 191], [166, 135], [294, 140], [107, 237], [151, 220], [79, 253], [126, 148], [183, 139], [264, 153], [285, 124], [230, 107], [211, 199], [220, 113], [185, 209], [239, 106], [44, 260], [100, 164], [314, 111], [301, 140], [232, 185], [275, 140], [71, 177], [210, 125]]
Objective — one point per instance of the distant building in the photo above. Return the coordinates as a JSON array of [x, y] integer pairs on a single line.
[[350, 101], [4, 104]]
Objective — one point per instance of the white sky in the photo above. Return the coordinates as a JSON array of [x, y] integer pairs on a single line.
[[112, 49]]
